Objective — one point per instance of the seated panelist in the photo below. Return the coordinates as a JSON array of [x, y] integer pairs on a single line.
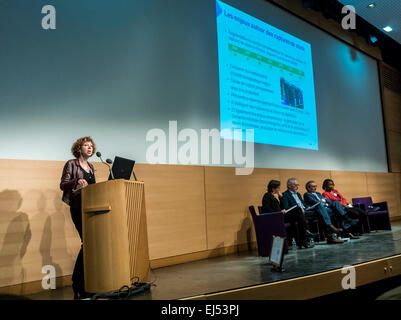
[[292, 198], [352, 212], [271, 203], [334, 208]]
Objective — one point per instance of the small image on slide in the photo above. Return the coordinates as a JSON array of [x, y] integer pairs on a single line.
[[291, 95]]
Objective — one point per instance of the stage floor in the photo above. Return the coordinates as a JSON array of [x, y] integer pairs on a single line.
[[247, 269]]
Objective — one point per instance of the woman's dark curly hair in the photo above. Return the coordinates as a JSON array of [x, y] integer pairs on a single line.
[[326, 182], [76, 147]]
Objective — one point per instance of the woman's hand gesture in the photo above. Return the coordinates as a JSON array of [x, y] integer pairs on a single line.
[[83, 183]]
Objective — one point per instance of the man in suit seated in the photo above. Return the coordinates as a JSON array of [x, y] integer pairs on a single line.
[[333, 208], [292, 198]]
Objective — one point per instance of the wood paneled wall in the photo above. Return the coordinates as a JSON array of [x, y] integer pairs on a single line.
[[227, 199], [175, 205], [391, 96], [190, 210]]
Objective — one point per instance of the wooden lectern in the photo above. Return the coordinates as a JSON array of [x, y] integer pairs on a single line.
[[115, 240]]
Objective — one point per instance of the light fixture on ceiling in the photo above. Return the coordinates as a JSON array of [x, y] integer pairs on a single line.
[[372, 5], [388, 29]]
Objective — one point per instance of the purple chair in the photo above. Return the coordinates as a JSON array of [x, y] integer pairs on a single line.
[[286, 224], [267, 225], [377, 220]]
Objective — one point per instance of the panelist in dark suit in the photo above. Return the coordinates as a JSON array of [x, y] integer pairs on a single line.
[[271, 203], [77, 174], [334, 208], [292, 198]]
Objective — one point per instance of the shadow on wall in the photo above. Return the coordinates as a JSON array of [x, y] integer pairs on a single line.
[[242, 237], [48, 239], [15, 235], [244, 234], [50, 231], [53, 245], [216, 250]]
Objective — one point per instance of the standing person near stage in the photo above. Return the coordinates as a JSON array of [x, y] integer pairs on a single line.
[[77, 174], [352, 212]]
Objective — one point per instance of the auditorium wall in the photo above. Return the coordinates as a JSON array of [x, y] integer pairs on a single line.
[[391, 97], [193, 212]]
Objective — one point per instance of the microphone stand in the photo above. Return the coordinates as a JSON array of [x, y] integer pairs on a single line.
[[108, 161], [133, 172], [110, 169]]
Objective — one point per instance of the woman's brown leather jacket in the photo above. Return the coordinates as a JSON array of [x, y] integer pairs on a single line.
[[69, 180]]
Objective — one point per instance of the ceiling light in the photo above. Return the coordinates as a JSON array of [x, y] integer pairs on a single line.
[[388, 29], [372, 5]]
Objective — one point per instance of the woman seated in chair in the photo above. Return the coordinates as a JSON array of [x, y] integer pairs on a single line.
[[271, 203], [352, 212]]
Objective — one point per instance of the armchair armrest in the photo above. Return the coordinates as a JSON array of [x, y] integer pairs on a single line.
[[383, 205], [269, 213], [360, 206], [271, 221], [270, 216]]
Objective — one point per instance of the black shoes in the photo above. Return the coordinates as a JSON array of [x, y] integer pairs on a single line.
[[351, 236], [306, 245]]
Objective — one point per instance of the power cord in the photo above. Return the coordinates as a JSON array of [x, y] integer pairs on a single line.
[[124, 292], [152, 273]]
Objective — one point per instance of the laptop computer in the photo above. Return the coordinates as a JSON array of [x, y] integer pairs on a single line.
[[122, 168]]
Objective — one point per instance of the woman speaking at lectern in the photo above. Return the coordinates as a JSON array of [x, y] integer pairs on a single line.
[[77, 174]]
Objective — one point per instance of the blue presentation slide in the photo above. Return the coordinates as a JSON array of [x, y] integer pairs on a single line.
[[266, 81]]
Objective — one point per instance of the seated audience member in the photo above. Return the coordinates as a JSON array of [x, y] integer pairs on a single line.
[[271, 203], [292, 198], [352, 212], [334, 208]]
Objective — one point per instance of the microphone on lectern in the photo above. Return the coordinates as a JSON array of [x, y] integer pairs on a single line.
[[108, 161]]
